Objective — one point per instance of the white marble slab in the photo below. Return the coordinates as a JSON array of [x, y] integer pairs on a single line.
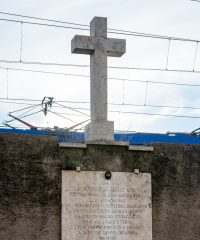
[[94, 208]]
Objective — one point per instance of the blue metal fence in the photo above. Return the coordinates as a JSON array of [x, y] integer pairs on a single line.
[[132, 138]]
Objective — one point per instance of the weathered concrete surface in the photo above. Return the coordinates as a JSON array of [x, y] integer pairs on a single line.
[[99, 131], [29, 188], [98, 46], [30, 185]]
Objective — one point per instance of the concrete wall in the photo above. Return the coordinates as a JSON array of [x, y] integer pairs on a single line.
[[30, 185]]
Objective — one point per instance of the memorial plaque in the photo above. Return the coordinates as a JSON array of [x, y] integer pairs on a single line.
[[96, 208]]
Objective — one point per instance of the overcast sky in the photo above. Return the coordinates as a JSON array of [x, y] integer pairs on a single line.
[[178, 18]]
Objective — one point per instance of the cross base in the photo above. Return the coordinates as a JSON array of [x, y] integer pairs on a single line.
[[99, 131]]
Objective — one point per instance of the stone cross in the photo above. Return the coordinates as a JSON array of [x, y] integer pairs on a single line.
[[98, 46]]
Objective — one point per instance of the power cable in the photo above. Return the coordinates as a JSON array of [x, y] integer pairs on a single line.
[[71, 114], [73, 109], [145, 113], [19, 110], [62, 116], [119, 112], [111, 78], [25, 116], [43, 24], [146, 35], [153, 114], [40, 71], [124, 32], [154, 69], [32, 108], [139, 105], [43, 19], [155, 106], [111, 67], [44, 63], [110, 30], [85, 102]]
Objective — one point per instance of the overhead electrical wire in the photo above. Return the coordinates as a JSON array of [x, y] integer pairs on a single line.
[[62, 116], [155, 69], [24, 113], [137, 105], [110, 30], [114, 31], [111, 67], [145, 113], [44, 63], [71, 108], [85, 102], [25, 116], [71, 114], [31, 108], [42, 24], [43, 19], [19, 110], [157, 114], [151, 106], [111, 78], [111, 111], [118, 111], [155, 106]]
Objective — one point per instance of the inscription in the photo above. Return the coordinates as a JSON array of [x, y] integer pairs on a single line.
[[115, 209]]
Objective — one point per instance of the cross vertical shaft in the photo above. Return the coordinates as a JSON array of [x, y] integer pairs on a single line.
[[98, 46], [98, 86], [98, 71]]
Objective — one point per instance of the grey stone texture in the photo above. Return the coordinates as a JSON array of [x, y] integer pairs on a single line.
[[30, 184], [98, 46]]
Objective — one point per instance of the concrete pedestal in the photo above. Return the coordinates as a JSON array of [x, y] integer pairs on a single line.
[[97, 131]]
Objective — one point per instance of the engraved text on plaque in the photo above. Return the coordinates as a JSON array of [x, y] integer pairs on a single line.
[[100, 209]]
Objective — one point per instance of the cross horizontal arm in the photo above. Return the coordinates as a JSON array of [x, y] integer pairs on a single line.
[[82, 44], [116, 47]]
